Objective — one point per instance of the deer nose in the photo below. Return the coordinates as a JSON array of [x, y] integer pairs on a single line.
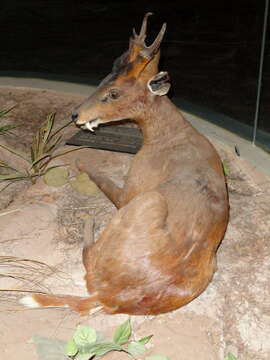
[[74, 116]]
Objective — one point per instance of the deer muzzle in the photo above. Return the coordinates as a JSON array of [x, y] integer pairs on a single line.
[[86, 125]]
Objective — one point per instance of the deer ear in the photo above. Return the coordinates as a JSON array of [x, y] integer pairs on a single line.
[[159, 84]]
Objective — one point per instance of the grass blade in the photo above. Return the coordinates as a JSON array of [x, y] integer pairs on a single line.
[[54, 145], [5, 129], [8, 177], [47, 128], [37, 161], [5, 165], [16, 152], [61, 128], [6, 111], [68, 151]]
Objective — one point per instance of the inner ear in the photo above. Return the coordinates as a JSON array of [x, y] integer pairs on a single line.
[[159, 84]]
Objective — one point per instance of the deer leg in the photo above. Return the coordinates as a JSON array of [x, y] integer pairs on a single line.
[[87, 254], [88, 239], [106, 185]]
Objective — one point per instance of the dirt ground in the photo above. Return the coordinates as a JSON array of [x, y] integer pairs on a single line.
[[46, 224]]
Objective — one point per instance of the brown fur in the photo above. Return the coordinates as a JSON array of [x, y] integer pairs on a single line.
[[159, 250]]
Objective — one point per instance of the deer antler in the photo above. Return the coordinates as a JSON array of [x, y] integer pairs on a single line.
[[141, 37], [140, 59], [141, 55], [137, 44], [150, 51]]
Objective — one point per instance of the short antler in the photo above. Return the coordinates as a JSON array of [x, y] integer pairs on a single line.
[[150, 51], [140, 55], [137, 44], [141, 37], [140, 60]]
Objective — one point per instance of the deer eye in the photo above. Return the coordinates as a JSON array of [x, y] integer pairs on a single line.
[[114, 94]]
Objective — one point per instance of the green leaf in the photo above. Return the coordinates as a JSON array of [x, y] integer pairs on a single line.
[[157, 357], [3, 112], [84, 336], [230, 356], [103, 348], [16, 176], [122, 333], [145, 340], [136, 348], [226, 170], [49, 349], [89, 351], [84, 356], [71, 348], [47, 128], [5, 129]]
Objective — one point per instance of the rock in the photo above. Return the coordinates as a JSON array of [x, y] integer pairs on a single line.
[[84, 185], [56, 176]]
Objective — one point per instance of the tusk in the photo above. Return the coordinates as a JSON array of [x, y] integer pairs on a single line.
[[91, 125]]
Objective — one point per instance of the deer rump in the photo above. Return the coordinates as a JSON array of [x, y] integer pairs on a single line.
[[159, 250]]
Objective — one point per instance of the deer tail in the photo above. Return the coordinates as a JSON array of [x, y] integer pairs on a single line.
[[76, 303]]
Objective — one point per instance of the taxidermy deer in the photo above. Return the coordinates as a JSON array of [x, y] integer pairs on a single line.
[[159, 250]]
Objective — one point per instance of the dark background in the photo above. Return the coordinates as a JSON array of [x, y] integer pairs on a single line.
[[211, 48]]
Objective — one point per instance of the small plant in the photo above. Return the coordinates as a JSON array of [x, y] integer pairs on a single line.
[[5, 129], [42, 151], [230, 356], [87, 344]]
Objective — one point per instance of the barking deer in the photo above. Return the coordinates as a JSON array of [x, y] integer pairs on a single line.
[[159, 251]]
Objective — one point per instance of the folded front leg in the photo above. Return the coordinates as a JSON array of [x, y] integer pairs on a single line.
[[106, 185]]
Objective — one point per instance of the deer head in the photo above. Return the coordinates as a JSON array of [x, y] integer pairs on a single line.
[[132, 84]]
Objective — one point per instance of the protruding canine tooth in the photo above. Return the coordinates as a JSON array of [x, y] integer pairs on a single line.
[[91, 125]]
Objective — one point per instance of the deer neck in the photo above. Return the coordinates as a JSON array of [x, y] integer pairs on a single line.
[[161, 121]]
